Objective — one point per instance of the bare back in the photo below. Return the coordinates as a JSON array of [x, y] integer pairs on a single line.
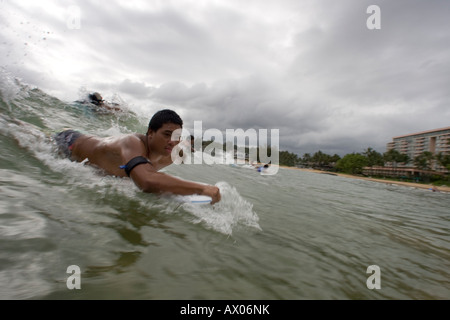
[[112, 152]]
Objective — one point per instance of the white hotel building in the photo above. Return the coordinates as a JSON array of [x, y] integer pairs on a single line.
[[435, 141]]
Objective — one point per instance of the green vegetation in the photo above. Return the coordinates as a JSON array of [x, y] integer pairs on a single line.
[[423, 161], [319, 160], [394, 157], [352, 163], [443, 160], [288, 159], [373, 157]]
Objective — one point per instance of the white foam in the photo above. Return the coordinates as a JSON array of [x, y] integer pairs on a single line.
[[230, 213]]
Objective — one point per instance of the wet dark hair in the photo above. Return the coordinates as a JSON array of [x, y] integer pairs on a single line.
[[164, 116], [95, 98]]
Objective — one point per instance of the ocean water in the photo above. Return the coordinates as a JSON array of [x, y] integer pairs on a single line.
[[290, 236]]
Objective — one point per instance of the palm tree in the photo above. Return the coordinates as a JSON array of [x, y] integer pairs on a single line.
[[423, 160], [395, 157], [374, 158], [444, 160]]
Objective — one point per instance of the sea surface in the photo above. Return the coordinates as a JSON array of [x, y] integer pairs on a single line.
[[291, 236]]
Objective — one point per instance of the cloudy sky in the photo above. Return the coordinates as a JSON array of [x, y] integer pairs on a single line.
[[310, 68]]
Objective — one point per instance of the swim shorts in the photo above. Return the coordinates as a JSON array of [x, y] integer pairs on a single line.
[[65, 140]]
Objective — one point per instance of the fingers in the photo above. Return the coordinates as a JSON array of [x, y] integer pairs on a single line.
[[216, 198], [213, 192]]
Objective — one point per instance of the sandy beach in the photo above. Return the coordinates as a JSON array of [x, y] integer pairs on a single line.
[[401, 183]]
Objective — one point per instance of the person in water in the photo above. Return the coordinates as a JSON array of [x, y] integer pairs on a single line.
[[192, 143], [137, 156], [97, 99]]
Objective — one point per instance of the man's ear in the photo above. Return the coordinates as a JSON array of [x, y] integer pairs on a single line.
[[149, 132]]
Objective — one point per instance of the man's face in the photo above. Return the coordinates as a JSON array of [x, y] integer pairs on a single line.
[[163, 140]]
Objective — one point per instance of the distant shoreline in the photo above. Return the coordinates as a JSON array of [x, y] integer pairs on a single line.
[[392, 182]]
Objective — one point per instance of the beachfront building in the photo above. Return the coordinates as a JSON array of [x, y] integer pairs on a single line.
[[435, 141]]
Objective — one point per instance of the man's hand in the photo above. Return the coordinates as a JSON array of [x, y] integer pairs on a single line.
[[213, 192]]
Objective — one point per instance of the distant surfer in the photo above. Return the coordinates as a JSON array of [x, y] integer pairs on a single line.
[[137, 156], [434, 189], [263, 168], [96, 99], [192, 143]]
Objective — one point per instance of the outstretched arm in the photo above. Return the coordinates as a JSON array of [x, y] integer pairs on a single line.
[[149, 180]]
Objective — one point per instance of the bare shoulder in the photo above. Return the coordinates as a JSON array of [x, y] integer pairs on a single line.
[[133, 145], [133, 139], [129, 143]]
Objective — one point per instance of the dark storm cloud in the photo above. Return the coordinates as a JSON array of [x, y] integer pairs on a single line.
[[311, 69], [403, 60]]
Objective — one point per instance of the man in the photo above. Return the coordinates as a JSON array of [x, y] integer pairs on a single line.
[[96, 99], [136, 155]]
